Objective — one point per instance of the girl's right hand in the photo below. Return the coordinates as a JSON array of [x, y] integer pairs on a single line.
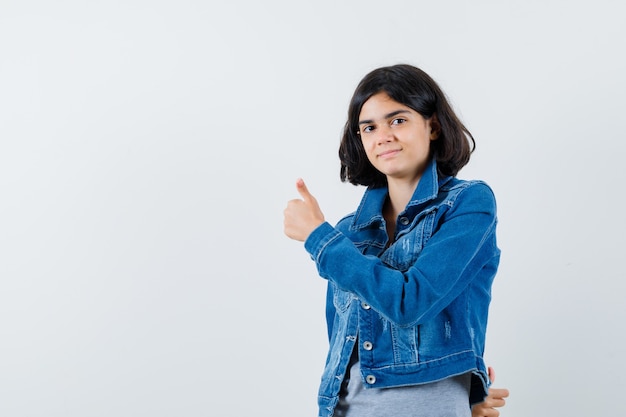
[[302, 216]]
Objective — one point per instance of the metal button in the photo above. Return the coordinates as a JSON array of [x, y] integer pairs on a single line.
[[367, 345], [404, 221], [370, 379], [365, 306]]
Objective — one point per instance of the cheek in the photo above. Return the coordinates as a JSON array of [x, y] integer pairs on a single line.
[[364, 145], [368, 148], [369, 142]]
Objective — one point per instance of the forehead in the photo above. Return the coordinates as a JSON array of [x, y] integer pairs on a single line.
[[379, 106]]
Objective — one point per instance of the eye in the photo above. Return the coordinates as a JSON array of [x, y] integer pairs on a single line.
[[398, 121], [367, 129]]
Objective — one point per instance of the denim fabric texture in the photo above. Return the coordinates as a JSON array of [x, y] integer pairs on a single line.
[[418, 307]]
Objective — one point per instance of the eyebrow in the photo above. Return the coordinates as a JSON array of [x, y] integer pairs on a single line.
[[387, 116]]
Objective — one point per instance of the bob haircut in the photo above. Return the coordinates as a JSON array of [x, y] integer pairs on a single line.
[[413, 88]]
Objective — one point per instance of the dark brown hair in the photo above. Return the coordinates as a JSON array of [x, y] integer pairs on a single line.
[[413, 88]]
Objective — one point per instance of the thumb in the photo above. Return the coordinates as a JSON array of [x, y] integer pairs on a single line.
[[491, 373], [303, 190]]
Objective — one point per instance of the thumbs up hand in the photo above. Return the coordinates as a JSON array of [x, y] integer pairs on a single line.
[[302, 216]]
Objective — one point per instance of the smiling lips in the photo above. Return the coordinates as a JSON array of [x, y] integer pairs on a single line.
[[389, 153]]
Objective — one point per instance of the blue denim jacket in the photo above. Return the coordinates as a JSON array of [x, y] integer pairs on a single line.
[[418, 308]]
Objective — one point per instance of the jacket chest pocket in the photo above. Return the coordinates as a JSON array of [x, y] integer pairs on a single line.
[[404, 251]]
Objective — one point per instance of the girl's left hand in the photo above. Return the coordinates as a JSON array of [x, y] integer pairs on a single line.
[[495, 399], [302, 216]]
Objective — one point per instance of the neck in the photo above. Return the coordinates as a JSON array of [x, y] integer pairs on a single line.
[[400, 193]]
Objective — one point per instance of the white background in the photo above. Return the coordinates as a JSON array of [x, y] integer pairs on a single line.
[[148, 148]]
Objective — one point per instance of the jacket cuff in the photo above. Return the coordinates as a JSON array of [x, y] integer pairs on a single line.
[[321, 236]]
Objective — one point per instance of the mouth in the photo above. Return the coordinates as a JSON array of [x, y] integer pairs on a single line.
[[389, 153]]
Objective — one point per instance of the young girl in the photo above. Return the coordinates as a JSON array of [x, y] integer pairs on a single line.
[[410, 271]]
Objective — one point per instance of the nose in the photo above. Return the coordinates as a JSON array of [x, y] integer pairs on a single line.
[[384, 135]]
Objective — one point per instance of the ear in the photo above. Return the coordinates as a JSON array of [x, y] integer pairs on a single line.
[[435, 127]]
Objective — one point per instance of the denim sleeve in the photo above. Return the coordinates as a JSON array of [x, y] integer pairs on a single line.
[[330, 310], [457, 253]]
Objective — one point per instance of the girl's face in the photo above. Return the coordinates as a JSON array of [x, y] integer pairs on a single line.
[[396, 138]]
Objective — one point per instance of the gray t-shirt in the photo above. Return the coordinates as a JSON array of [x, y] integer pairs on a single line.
[[445, 398]]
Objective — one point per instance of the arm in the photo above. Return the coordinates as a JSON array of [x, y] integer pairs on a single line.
[[450, 260]]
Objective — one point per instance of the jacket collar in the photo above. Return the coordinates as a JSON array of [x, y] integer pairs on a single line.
[[370, 209]]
